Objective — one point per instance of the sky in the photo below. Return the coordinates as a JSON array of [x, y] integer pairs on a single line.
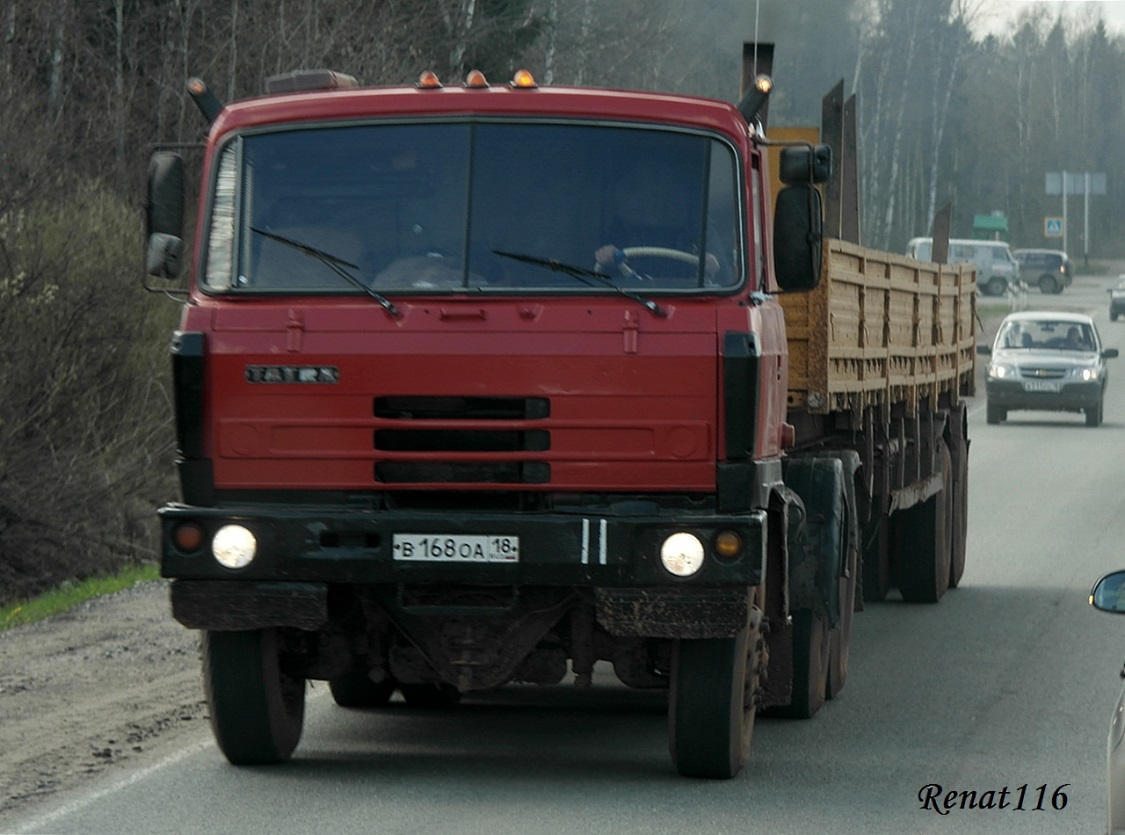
[[996, 16]]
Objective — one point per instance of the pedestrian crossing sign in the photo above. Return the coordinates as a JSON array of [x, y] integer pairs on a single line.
[[1053, 227]]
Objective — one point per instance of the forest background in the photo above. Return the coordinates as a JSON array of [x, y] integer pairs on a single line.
[[88, 86]]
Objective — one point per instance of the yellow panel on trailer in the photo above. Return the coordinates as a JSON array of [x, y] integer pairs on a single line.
[[880, 329]]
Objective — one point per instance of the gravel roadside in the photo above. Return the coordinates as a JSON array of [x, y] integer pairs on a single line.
[[112, 684]]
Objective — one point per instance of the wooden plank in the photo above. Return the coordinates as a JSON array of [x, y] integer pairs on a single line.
[[880, 330]]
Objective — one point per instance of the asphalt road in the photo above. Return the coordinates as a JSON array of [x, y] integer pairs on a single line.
[[1003, 688]]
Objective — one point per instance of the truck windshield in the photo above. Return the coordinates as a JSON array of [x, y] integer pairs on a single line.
[[440, 207]]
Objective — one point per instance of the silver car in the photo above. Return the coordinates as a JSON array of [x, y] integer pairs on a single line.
[[1108, 595], [1044, 360]]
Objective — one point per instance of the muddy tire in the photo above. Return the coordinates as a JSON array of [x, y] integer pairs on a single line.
[[840, 638], [959, 524], [811, 657], [257, 709], [712, 702], [921, 540]]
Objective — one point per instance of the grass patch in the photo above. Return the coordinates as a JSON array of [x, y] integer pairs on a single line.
[[71, 593]]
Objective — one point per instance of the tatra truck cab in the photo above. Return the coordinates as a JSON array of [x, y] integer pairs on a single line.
[[485, 383]]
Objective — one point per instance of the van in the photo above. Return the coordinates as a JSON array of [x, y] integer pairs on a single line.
[[997, 269]]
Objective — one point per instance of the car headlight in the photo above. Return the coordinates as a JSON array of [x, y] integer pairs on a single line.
[[234, 546], [1086, 375], [682, 554], [1000, 371]]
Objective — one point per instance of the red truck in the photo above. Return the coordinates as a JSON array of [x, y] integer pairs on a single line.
[[485, 383]]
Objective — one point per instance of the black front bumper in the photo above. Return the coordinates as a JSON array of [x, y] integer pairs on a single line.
[[304, 551], [1071, 397]]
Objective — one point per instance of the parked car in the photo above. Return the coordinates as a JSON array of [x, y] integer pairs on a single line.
[[1047, 361], [1108, 595], [997, 270], [1047, 269], [1117, 299]]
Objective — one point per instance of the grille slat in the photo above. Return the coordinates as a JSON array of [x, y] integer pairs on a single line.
[[411, 413]]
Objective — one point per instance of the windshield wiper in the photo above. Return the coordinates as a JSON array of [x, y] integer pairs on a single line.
[[332, 262], [584, 275]]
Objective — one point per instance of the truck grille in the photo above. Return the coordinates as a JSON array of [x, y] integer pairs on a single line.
[[413, 435]]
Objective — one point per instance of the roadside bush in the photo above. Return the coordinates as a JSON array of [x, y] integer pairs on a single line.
[[86, 441]]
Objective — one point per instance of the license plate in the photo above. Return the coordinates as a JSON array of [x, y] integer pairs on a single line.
[[430, 547], [1042, 385]]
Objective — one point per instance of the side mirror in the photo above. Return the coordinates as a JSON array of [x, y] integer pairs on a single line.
[[164, 256], [797, 238], [164, 214], [1108, 594], [985, 349], [804, 164], [1109, 353]]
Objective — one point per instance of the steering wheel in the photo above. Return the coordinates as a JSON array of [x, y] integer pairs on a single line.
[[650, 252]]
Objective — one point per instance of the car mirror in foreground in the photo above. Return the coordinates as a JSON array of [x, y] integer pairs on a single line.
[[1108, 594]]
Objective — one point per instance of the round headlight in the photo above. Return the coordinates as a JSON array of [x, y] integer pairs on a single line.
[[234, 546], [682, 554]]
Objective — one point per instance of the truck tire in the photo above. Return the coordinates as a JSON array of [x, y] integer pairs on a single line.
[[960, 511], [921, 539], [876, 559], [257, 709], [840, 638], [820, 650], [712, 701], [356, 689], [811, 657]]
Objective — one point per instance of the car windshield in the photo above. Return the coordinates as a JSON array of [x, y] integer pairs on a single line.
[[475, 206], [1046, 334]]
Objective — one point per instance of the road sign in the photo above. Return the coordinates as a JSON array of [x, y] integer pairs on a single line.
[[1077, 182], [1052, 227]]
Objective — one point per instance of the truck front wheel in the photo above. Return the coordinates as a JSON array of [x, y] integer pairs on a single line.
[[712, 702], [257, 709]]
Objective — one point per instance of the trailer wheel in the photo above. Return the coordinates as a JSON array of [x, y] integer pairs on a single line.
[[960, 512], [922, 533], [840, 638], [876, 559], [356, 689], [257, 709], [713, 699]]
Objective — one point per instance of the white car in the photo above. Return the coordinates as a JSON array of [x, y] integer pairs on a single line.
[[1108, 595]]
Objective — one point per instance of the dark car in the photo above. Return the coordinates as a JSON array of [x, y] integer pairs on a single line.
[[1047, 269], [1046, 361], [1117, 299]]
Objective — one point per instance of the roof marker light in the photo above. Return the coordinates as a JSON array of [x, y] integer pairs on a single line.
[[524, 80], [428, 80], [475, 78]]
